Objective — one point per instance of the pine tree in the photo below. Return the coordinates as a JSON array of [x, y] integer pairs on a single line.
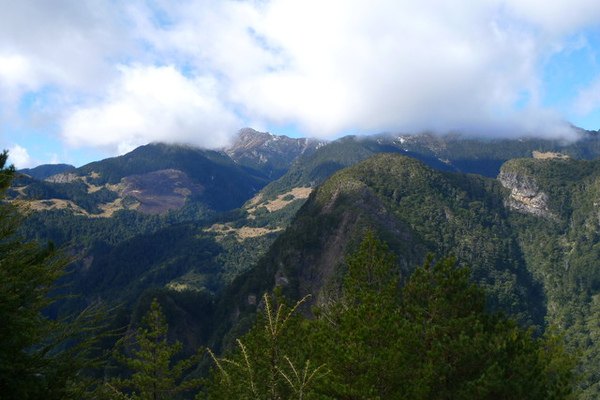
[[431, 339], [155, 375], [39, 357], [360, 336], [465, 351]]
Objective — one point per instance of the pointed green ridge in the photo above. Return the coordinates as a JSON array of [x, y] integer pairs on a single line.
[[416, 210]]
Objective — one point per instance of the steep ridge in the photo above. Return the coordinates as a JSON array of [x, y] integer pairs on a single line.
[[416, 210], [451, 152]]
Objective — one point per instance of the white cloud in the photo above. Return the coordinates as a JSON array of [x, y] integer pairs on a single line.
[[64, 43], [152, 104], [339, 65], [556, 17], [390, 65], [19, 157], [126, 73], [588, 99], [16, 77]]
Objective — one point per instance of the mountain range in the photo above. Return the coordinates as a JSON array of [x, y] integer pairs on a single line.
[[221, 227]]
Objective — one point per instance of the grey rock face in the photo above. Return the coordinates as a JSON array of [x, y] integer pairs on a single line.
[[525, 195], [65, 177]]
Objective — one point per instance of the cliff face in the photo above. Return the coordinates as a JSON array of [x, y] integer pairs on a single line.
[[525, 195]]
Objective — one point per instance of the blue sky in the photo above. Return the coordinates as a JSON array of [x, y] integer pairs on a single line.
[[88, 79]]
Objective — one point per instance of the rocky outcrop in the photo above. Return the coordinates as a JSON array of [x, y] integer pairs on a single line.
[[525, 195], [65, 177]]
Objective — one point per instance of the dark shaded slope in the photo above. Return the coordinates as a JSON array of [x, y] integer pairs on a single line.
[[177, 256]]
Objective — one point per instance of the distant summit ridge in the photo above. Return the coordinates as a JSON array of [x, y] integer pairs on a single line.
[[271, 154], [267, 168], [46, 170], [251, 140]]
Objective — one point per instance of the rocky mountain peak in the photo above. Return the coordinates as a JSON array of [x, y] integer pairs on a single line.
[[248, 139], [271, 154], [252, 141]]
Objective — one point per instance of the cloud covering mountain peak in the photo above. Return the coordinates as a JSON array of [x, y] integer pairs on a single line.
[[108, 75]]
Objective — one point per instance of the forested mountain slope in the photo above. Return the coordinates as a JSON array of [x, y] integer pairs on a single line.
[[164, 221], [271, 210], [531, 238], [138, 221], [159, 185], [450, 152], [416, 210]]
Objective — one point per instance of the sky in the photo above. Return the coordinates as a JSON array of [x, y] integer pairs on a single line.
[[82, 80]]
